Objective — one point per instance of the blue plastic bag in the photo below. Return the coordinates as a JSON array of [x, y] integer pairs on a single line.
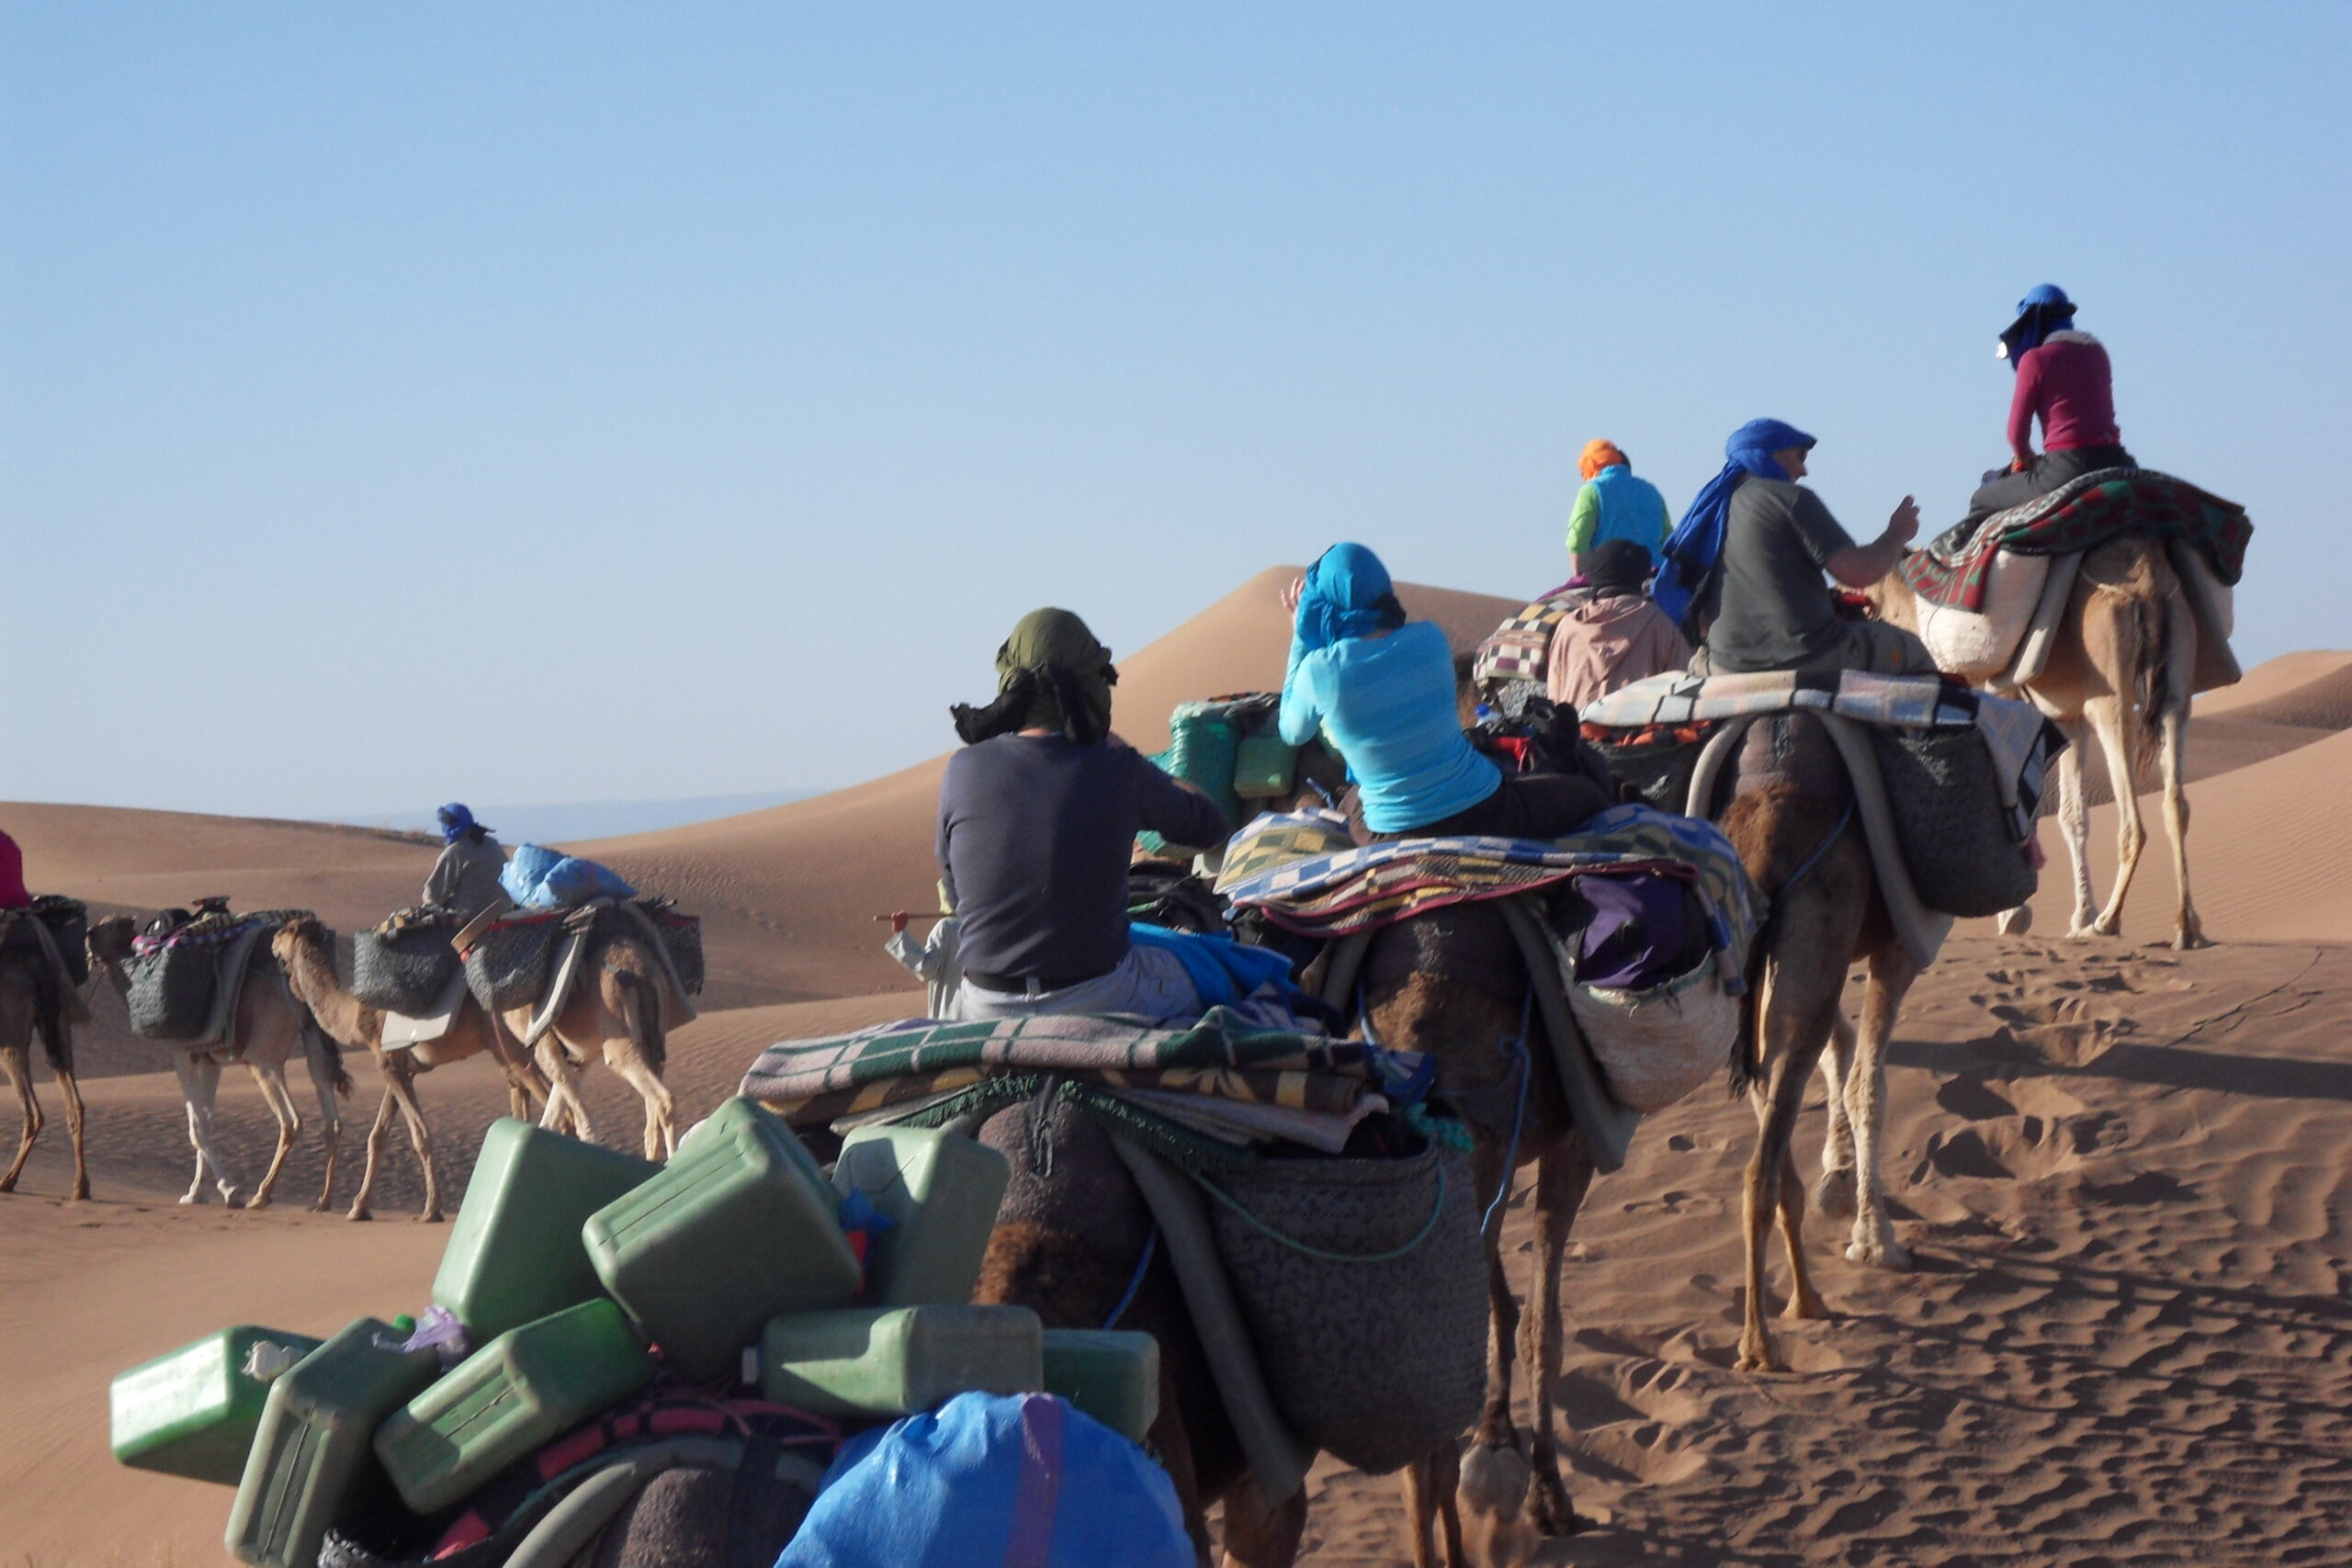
[[1019, 1480], [539, 878]]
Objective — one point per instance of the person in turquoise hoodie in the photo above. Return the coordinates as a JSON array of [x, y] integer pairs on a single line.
[[1614, 504], [1380, 690]]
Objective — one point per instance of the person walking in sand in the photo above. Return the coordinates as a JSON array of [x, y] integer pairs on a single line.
[[1614, 504], [466, 876], [935, 963]]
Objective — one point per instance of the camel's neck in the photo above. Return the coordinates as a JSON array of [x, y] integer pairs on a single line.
[[339, 1012], [112, 968], [1897, 603]]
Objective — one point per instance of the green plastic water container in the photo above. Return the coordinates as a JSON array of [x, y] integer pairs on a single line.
[[1264, 766], [193, 1411], [1113, 1376], [740, 1225], [516, 1255], [509, 1399], [891, 1361], [940, 1191], [311, 1459]]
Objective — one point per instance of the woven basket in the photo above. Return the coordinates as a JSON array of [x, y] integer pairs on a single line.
[[172, 990], [1657, 1045], [1947, 817], [507, 965], [404, 970], [1375, 1362], [682, 935], [68, 921]]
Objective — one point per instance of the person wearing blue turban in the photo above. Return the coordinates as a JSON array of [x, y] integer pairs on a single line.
[[2063, 380], [466, 876], [1380, 689], [1744, 568]]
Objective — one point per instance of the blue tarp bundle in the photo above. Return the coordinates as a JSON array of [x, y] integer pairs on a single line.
[[1021, 1480], [540, 878]]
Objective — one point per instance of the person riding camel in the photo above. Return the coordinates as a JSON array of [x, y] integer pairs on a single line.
[[13, 894], [2063, 380], [1615, 638], [1380, 689], [1037, 819], [1746, 567], [1614, 504], [466, 876]]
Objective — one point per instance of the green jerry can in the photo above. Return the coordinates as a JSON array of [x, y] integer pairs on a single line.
[[516, 1255], [891, 1361], [1113, 1376], [311, 1459], [193, 1411], [940, 1192], [509, 1399], [740, 1225]]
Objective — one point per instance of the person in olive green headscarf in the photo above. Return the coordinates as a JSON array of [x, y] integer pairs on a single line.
[[1037, 819]]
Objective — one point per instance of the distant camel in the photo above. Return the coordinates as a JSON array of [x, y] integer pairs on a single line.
[[623, 1017], [302, 949], [2123, 666], [32, 1000], [271, 1026]]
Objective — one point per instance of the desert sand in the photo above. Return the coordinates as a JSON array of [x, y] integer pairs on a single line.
[[2123, 1171]]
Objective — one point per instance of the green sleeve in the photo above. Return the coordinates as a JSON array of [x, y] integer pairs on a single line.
[[1585, 521]]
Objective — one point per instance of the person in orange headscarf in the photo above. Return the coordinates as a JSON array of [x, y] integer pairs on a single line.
[[1614, 504]]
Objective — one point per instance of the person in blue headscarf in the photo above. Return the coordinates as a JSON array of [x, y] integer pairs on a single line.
[[466, 876], [2064, 381], [1380, 689], [1744, 568]]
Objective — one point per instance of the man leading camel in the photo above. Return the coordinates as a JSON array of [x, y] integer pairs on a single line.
[[1037, 818], [1747, 565]]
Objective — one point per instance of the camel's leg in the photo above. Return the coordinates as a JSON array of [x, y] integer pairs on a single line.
[[2111, 718], [1892, 971], [420, 1138], [2189, 931], [1259, 1534], [17, 1065], [359, 1210], [1833, 1195], [1429, 1506], [1792, 1048], [74, 1122], [330, 1115], [566, 1112], [660, 1110], [271, 1076], [2075, 825], [1494, 1425], [1562, 1179], [1804, 1302], [199, 1086]]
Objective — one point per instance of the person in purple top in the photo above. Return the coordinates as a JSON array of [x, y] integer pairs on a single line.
[[2063, 381], [1037, 820]]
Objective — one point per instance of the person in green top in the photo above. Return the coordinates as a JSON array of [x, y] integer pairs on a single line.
[[1614, 504]]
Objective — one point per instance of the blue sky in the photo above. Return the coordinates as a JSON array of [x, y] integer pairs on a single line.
[[591, 402]]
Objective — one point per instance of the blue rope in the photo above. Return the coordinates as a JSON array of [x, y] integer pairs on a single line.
[[1815, 858], [1150, 1247], [1517, 1045]]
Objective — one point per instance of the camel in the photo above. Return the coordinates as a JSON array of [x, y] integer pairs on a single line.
[[303, 950], [270, 1027], [622, 1015], [2124, 667], [32, 1001]]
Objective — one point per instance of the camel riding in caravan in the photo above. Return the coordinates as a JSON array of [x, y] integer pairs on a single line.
[[205, 984], [42, 968], [2099, 591]]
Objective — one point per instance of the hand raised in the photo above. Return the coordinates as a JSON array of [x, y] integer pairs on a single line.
[[1901, 527], [1291, 594]]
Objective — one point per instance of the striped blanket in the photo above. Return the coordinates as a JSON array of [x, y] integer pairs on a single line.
[[1308, 876], [2022, 742], [814, 1082], [1950, 569], [1520, 648]]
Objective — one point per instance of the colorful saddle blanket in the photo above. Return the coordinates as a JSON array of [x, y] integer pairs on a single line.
[[1952, 567]]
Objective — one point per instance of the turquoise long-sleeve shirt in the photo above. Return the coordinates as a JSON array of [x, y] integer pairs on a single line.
[[1386, 706], [1614, 504]]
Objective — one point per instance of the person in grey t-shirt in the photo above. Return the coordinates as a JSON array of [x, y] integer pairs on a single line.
[[466, 876], [1768, 607]]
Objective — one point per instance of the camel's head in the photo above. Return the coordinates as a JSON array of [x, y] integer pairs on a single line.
[[1893, 601], [303, 933], [109, 939]]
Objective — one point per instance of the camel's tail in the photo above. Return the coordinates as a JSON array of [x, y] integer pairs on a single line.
[[1747, 1046], [640, 1007]]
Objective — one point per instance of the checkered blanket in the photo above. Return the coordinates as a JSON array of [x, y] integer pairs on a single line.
[[1950, 569], [1307, 875], [2022, 742], [815, 1081], [1520, 648]]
